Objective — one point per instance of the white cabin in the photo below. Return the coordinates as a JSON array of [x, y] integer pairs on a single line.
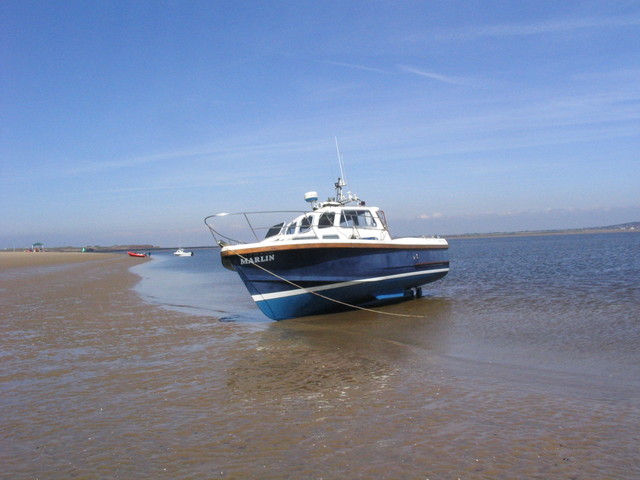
[[332, 221]]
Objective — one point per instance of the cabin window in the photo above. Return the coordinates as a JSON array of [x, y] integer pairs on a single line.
[[305, 225], [302, 225], [275, 230], [326, 220], [382, 218], [357, 218]]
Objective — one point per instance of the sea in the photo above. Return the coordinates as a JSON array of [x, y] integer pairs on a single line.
[[566, 303], [522, 363]]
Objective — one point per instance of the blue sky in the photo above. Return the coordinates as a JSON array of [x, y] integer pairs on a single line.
[[129, 122]]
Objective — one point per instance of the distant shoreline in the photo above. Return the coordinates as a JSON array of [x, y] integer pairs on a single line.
[[119, 249], [542, 233]]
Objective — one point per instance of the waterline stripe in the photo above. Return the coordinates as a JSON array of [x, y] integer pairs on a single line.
[[302, 291]]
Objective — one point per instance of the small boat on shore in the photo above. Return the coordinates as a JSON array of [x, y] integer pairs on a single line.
[[137, 254], [338, 255], [180, 252]]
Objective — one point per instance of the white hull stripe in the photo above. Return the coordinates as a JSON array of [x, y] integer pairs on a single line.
[[302, 291]]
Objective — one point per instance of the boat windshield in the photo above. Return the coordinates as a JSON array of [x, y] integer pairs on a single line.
[[357, 218]]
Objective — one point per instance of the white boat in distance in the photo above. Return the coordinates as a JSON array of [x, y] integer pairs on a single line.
[[181, 253]]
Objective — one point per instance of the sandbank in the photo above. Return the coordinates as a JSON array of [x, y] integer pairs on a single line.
[[27, 279], [38, 259]]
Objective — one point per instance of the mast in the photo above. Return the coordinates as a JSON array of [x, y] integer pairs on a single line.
[[342, 181]]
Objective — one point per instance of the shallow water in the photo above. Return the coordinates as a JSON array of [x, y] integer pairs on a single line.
[[568, 303], [524, 363], [196, 285]]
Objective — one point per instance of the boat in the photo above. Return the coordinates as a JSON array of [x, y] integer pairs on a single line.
[[137, 254], [180, 252], [338, 255]]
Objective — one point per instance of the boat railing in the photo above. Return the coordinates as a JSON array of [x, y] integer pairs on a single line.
[[259, 225]]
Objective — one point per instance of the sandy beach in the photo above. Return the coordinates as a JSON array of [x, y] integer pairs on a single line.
[[98, 384], [39, 259]]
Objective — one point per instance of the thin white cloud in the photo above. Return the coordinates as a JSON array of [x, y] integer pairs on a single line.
[[538, 28], [430, 216], [226, 152], [404, 69], [353, 66], [432, 75], [103, 166]]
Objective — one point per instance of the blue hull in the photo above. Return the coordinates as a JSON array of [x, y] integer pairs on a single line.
[[308, 281]]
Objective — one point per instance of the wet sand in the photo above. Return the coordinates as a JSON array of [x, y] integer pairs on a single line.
[[96, 384], [10, 260]]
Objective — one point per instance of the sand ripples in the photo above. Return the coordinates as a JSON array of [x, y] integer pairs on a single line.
[[97, 385]]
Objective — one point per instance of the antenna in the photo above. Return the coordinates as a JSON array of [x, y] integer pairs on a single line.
[[341, 163], [342, 181]]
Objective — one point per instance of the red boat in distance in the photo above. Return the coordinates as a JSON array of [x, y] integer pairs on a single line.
[[136, 254]]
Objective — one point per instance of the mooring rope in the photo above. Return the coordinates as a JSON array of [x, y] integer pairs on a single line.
[[319, 294]]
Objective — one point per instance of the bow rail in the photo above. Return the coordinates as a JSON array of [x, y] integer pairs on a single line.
[[259, 224]]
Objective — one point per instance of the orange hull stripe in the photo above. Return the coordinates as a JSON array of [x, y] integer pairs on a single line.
[[311, 246]]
